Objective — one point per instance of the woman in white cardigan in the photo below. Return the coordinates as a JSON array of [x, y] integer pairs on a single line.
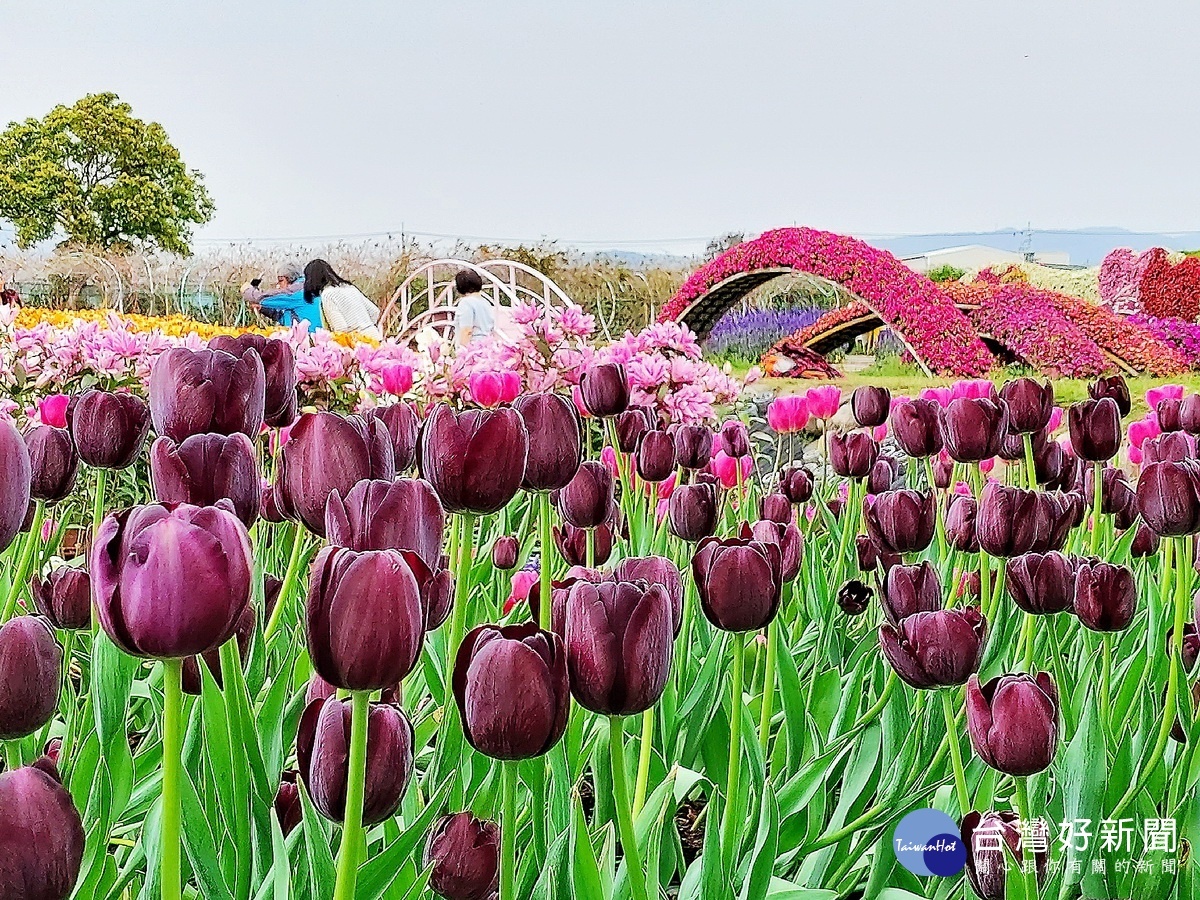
[[343, 306]]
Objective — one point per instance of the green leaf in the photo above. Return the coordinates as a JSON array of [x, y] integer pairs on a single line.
[[762, 857], [585, 871], [321, 868], [378, 874], [200, 844]]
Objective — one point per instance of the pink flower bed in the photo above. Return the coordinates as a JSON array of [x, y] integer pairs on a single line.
[[908, 303], [1183, 336], [1151, 284], [1120, 279]]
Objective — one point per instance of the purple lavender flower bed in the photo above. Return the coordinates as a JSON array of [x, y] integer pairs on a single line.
[[746, 336]]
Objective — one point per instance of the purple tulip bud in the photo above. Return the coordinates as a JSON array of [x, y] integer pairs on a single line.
[[475, 460], [1189, 414], [943, 471], [323, 755], [206, 468], [902, 521], [41, 835], [1007, 521], [109, 428], [279, 370], [465, 854], [655, 456], [1030, 404], [403, 428], [1115, 388], [852, 455], [1095, 427], [692, 511], [693, 446], [1172, 446], [288, 809], [882, 476], [1013, 722], [14, 482], [1041, 583], [740, 582], [30, 673], [797, 483], [870, 405], [365, 621], [54, 462], [619, 641], [935, 649], [960, 524], [1055, 514], [207, 391], [587, 500], [268, 506], [917, 427], [170, 582], [630, 426], [908, 590], [505, 552], [512, 689], [604, 389], [572, 543], [193, 681], [64, 597], [655, 570], [973, 428], [984, 837], [555, 440], [787, 538], [734, 438], [404, 514], [328, 452], [867, 553], [1145, 542], [1105, 595], [777, 508], [854, 597], [1168, 495], [1167, 412]]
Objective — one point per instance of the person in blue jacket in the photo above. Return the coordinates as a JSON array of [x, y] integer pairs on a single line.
[[287, 301]]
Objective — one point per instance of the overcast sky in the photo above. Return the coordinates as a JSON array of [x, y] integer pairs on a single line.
[[622, 123]]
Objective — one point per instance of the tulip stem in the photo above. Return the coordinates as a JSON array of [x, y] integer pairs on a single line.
[[289, 582], [462, 590], [960, 775], [1030, 465], [590, 550], [644, 751], [1097, 500], [633, 861], [544, 515], [1106, 681], [1025, 818], [169, 854], [1027, 638], [508, 831], [31, 541], [352, 837], [768, 697], [729, 823]]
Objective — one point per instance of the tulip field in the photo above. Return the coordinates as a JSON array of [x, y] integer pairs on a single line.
[[283, 617]]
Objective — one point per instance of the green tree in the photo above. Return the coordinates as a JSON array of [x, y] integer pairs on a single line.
[[99, 177]]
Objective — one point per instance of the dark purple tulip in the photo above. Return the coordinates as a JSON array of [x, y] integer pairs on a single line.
[[1105, 595], [288, 809], [969, 587], [867, 553], [1056, 514], [587, 501], [323, 755], [986, 859], [960, 524], [901, 521], [365, 619], [777, 508], [852, 455], [916, 427], [559, 591], [836, 506], [54, 462], [1013, 722], [109, 428], [734, 438], [630, 426], [1095, 427], [1115, 388], [279, 368], [883, 475], [787, 538], [465, 854], [192, 679], [1041, 583], [171, 582], [1167, 412], [740, 582], [1145, 542], [796, 483], [908, 590], [512, 689], [1172, 446], [943, 471], [604, 389], [935, 649], [505, 552], [327, 452], [403, 428], [268, 507], [64, 597], [693, 446], [30, 673], [973, 428], [475, 460], [1168, 496], [14, 482], [1049, 463], [41, 835], [207, 391], [555, 440], [692, 511], [619, 641], [572, 543], [1030, 404], [1007, 521], [1189, 414], [404, 514], [655, 570], [870, 405], [206, 468], [655, 456], [854, 597]]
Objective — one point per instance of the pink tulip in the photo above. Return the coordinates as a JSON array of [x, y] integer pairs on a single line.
[[522, 583], [510, 386], [961, 487], [1143, 429], [939, 395], [486, 388], [48, 527], [608, 456], [1056, 417], [787, 415], [986, 465], [879, 432], [53, 410], [972, 388], [577, 399], [726, 468], [1163, 392], [1135, 455], [397, 378], [823, 401], [660, 511]]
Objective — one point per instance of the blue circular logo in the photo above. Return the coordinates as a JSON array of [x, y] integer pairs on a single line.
[[927, 842]]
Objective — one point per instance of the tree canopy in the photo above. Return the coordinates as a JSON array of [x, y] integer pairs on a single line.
[[97, 176]]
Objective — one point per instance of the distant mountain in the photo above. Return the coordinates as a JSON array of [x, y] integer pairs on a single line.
[[1087, 246]]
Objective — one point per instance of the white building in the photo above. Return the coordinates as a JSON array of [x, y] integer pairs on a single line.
[[972, 257]]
